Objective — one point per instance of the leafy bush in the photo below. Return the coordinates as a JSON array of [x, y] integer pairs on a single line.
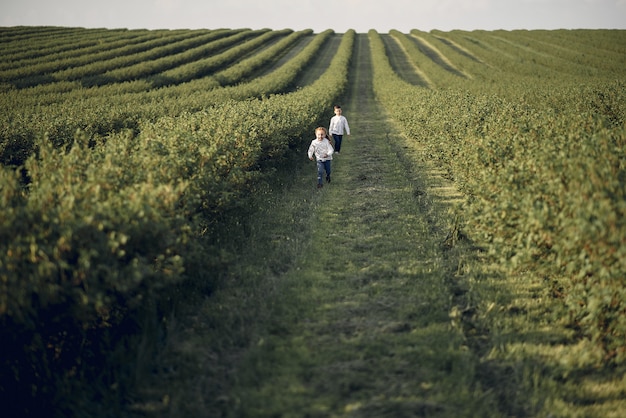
[[542, 163]]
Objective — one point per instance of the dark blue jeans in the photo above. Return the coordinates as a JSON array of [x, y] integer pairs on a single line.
[[321, 166], [337, 139]]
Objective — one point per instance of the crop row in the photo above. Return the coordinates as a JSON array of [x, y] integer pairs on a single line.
[[29, 49], [30, 72], [182, 46], [542, 163], [97, 229], [100, 111]]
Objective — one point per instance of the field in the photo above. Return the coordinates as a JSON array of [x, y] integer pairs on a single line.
[[164, 250]]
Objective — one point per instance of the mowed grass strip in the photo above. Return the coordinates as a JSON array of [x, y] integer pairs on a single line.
[[339, 304], [362, 323]]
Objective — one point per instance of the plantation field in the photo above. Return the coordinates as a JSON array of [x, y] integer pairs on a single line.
[[164, 250]]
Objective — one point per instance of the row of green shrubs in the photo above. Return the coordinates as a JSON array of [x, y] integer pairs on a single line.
[[102, 227], [27, 114], [543, 167]]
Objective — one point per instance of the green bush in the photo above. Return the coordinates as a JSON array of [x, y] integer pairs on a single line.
[[542, 164]]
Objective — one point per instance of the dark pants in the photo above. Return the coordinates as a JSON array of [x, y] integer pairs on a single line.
[[337, 139], [321, 166]]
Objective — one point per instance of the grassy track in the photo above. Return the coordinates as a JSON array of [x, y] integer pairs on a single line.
[[402, 64], [324, 57], [341, 306], [366, 298], [372, 334]]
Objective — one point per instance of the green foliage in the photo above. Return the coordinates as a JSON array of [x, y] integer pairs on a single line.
[[230, 49], [542, 165], [60, 109], [115, 205], [112, 194], [90, 228]]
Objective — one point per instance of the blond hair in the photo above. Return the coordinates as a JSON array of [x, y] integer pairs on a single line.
[[321, 128]]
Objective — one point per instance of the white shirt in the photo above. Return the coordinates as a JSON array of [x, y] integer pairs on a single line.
[[338, 124], [322, 150]]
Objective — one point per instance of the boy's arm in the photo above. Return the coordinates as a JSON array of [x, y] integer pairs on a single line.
[[347, 126]]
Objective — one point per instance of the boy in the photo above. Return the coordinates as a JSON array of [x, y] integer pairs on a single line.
[[338, 124], [322, 150]]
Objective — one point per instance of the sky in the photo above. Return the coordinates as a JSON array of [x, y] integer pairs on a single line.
[[319, 15]]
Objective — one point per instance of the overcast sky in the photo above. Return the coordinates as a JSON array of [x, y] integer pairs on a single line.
[[340, 15]]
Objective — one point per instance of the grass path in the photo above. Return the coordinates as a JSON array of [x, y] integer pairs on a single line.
[[348, 302], [369, 333], [340, 306]]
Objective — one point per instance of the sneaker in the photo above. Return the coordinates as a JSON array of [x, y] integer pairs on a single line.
[[327, 179], [319, 185]]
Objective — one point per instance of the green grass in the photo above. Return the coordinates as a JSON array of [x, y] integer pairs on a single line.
[[340, 305], [540, 365], [363, 299], [367, 331]]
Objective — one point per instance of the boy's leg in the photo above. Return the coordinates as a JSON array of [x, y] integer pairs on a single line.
[[337, 139]]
